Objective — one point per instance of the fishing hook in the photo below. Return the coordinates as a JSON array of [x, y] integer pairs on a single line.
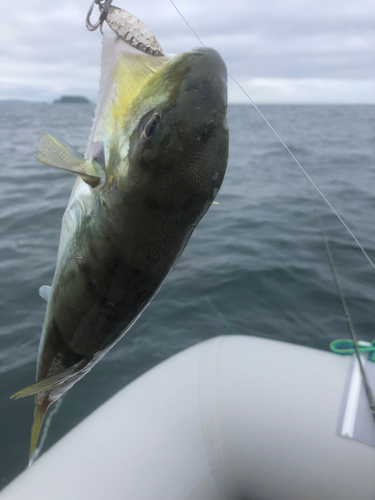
[[103, 9], [126, 26]]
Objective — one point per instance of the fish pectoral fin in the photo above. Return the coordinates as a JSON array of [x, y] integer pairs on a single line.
[[58, 153], [44, 292], [45, 384]]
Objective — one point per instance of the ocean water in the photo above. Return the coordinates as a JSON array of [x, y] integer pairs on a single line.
[[255, 265]]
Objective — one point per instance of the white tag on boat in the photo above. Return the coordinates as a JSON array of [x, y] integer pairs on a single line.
[[355, 419]]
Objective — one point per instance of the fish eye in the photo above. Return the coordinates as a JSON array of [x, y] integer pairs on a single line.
[[149, 127]]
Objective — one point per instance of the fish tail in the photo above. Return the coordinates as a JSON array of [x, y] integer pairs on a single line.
[[39, 414]]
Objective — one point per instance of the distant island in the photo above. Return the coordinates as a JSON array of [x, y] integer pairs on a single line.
[[69, 99]]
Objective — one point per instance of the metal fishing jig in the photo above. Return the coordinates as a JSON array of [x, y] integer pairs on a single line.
[[126, 26]]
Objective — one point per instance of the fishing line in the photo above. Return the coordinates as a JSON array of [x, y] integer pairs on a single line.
[[287, 148], [348, 319], [218, 313], [347, 316]]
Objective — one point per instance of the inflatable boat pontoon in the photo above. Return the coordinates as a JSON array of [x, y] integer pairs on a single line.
[[234, 417]]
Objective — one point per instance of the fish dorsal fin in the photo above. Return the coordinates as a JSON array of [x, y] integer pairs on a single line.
[[58, 153], [44, 292], [45, 384]]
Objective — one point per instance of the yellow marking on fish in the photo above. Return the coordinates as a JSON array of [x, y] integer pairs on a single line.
[[128, 79]]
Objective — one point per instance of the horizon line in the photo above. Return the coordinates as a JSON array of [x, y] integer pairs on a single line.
[[305, 103]]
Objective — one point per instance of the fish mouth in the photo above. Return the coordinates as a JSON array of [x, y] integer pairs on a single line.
[[206, 77], [199, 96], [197, 81], [189, 93]]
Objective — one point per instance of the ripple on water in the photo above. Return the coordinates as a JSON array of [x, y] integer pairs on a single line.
[[255, 265]]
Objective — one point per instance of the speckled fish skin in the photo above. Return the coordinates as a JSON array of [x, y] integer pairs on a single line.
[[121, 239], [136, 230]]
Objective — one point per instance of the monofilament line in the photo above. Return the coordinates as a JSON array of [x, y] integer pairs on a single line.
[[306, 174], [288, 150], [187, 24]]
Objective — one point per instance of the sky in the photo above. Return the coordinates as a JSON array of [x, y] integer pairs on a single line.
[[280, 51]]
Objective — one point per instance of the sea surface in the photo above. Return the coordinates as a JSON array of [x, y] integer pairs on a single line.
[[255, 265]]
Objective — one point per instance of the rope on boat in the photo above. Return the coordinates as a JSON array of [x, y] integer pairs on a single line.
[[346, 347]]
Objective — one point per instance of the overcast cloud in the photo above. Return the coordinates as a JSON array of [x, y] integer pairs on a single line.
[[279, 50]]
